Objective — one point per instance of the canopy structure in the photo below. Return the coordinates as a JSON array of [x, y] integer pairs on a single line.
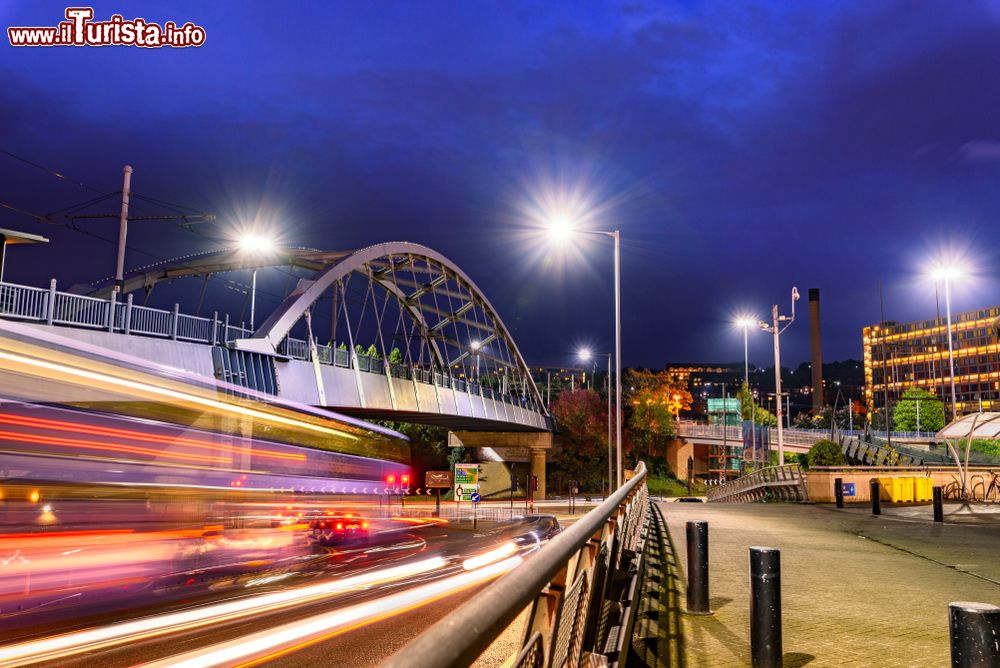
[[12, 237], [978, 425]]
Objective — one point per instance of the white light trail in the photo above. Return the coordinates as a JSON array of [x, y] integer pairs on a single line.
[[56, 647], [272, 643]]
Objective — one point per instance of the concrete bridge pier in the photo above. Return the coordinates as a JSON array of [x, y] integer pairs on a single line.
[[529, 446]]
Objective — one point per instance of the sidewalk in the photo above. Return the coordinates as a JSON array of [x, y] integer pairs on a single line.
[[856, 590]]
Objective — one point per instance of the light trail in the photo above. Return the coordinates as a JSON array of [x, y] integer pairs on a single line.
[[497, 554], [263, 646], [113, 432], [62, 646], [171, 394]]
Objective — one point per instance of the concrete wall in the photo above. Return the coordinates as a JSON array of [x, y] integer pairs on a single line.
[[819, 483]]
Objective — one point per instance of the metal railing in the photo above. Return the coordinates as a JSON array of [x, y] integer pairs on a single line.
[[781, 482], [579, 589], [735, 433]]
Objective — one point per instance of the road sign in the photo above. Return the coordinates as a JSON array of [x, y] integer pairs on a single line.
[[848, 489], [439, 479], [466, 481], [475, 497]]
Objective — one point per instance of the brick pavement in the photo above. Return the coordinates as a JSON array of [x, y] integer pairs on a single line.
[[856, 590]]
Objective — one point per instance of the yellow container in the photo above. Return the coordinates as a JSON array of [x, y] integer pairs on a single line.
[[906, 489], [896, 490], [923, 489]]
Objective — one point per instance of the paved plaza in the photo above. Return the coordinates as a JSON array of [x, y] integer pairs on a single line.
[[857, 590]]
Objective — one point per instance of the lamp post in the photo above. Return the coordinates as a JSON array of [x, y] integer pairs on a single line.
[[746, 322], [561, 230], [946, 273], [476, 345], [252, 244], [585, 354], [776, 328]]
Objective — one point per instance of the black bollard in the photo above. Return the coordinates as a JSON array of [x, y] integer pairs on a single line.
[[697, 564], [938, 504], [765, 607], [838, 491], [876, 498], [974, 630]]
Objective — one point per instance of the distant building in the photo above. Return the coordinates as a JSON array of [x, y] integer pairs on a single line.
[[898, 356], [552, 380]]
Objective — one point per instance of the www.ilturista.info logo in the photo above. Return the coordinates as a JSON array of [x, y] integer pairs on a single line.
[[80, 29]]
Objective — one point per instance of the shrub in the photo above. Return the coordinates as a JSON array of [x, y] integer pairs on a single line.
[[826, 453]]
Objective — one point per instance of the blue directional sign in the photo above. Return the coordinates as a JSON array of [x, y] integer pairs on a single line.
[[475, 497], [848, 489]]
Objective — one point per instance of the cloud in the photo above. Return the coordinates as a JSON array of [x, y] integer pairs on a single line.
[[980, 150]]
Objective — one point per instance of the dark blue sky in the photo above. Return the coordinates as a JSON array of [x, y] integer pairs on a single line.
[[740, 148]]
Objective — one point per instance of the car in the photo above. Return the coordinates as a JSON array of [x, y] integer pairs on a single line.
[[337, 528], [689, 499]]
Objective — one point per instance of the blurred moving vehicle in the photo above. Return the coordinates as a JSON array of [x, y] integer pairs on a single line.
[[337, 528]]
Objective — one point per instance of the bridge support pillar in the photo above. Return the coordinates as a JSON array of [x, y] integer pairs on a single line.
[[518, 446], [538, 470]]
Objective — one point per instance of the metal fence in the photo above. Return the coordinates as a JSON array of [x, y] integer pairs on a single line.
[[781, 482], [22, 302], [580, 591]]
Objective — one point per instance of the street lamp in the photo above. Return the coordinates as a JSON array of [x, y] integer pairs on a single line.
[[561, 230], [476, 345], [776, 329], [745, 322], [945, 273], [585, 355], [255, 245]]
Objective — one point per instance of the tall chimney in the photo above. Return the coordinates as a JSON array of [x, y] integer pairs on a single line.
[[816, 351]]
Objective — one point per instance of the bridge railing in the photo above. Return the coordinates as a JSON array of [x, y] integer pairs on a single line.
[[782, 482], [580, 591]]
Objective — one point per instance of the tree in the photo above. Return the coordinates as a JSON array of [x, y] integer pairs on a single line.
[[904, 417], [582, 417], [826, 453], [760, 415], [653, 400]]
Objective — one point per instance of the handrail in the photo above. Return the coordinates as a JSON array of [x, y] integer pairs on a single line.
[[462, 636], [775, 478]]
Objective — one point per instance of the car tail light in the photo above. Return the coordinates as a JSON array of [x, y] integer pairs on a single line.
[[364, 525], [340, 526]]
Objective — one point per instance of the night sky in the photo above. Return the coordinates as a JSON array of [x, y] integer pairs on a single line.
[[740, 148]]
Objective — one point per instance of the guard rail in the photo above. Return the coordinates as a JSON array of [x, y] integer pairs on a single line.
[[581, 591]]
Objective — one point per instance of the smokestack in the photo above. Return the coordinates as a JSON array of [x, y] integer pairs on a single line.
[[816, 352]]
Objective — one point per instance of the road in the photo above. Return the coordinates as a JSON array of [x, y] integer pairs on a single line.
[[363, 600]]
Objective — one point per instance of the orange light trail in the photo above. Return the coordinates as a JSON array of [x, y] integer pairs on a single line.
[[18, 437], [97, 430]]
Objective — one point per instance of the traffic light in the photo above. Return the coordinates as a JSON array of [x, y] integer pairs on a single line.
[[404, 481], [513, 482], [534, 483], [390, 480]]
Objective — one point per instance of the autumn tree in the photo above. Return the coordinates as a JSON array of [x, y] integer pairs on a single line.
[[582, 416], [653, 402]]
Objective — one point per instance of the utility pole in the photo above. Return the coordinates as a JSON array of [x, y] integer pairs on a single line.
[[123, 232], [776, 330]]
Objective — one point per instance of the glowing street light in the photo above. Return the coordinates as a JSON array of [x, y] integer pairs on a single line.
[[561, 230], [255, 245], [476, 346], [586, 355], [946, 272]]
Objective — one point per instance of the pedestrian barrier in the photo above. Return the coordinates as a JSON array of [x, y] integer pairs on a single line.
[[785, 483], [581, 591]]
